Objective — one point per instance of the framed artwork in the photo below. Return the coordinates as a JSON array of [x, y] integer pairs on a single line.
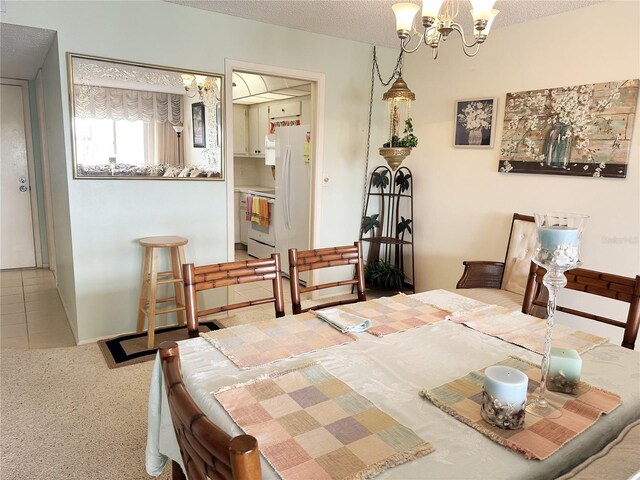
[[199, 130], [475, 123], [580, 130]]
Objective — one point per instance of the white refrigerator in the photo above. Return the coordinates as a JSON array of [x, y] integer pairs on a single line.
[[293, 190]]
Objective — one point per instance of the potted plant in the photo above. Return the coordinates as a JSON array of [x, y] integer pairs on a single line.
[[383, 275], [399, 148]]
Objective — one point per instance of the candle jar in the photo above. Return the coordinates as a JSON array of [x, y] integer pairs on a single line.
[[504, 396], [564, 371]]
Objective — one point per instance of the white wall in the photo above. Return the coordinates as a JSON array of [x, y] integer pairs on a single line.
[[107, 217], [463, 205]]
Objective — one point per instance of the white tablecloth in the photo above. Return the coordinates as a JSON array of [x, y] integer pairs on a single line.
[[390, 371]]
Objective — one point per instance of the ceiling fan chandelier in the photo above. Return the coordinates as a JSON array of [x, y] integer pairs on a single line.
[[438, 20]]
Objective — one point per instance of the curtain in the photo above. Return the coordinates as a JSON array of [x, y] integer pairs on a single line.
[[119, 104]]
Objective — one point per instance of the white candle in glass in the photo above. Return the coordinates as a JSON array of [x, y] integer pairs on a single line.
[[507, 385]]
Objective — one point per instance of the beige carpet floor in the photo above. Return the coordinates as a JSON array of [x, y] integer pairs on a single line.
[[65, 415]]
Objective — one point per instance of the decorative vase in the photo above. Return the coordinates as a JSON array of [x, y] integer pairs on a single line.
[[475, 136], [394, 155], [557, 147]]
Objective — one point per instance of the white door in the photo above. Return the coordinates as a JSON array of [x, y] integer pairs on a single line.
[[16, 242]]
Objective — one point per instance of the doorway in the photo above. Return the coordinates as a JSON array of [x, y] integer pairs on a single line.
[[19, 232], [283, 98]]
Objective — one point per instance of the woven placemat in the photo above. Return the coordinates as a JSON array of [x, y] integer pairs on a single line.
[[311, 425], [524, 330], [254, 344], [540, 437], [395, 314]]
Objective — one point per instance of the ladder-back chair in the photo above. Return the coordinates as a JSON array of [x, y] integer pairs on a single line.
[[307, 260], [207, 451], [607, 285], [218, 275]]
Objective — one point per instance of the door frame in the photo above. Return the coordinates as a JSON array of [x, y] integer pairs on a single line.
[[317, 133], [33, 195]]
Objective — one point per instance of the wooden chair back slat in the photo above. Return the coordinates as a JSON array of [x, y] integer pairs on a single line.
[[206, 277], [207, 451], [592, 282], [308, 260]]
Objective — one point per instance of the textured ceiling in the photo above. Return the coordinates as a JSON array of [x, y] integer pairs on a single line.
[[368, 21], [22, 50]]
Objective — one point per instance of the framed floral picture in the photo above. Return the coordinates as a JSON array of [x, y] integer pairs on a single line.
[[199, 129], [582, 130], [475, 123]]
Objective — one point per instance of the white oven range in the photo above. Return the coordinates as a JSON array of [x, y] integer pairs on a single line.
[[261, 241]]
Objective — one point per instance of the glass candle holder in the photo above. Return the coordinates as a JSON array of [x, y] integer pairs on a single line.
[[557, 250]]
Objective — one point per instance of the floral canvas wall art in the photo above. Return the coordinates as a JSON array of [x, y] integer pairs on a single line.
[[579, 130], [475, 122]]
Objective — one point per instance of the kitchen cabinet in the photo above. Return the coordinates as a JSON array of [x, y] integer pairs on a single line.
[[236, 218], [258, 129], [289, 109], [240, 130]]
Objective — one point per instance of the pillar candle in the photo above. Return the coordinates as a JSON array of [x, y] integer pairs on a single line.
[[551, 237], [507, 385], [566, 363]]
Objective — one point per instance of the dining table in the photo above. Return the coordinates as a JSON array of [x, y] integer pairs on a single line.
[[390, 371]]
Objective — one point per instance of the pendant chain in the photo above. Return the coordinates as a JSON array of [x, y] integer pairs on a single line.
[[375, 69]]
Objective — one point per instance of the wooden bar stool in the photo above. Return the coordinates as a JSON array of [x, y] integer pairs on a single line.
[[151, 278]]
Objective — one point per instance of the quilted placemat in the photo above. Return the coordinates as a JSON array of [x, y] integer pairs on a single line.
[[395, 314], [540, 437], [524, 330], [311, 425], [258, 343]]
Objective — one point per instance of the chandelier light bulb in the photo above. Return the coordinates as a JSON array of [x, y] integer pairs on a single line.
[[200, 79], [482, 9], [431, 8], [487, 28], [405, 13], [187, 80]]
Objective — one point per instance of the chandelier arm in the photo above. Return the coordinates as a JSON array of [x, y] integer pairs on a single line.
[[458, 28], [475, 51], [406, 41]]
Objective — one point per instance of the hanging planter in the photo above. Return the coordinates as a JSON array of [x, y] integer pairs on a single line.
[[398, 99], [394, 155], [397, 149]]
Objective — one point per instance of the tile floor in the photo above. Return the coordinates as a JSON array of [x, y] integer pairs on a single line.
[[31, 312]]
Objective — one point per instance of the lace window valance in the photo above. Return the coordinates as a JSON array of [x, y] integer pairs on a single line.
[[119, 104]]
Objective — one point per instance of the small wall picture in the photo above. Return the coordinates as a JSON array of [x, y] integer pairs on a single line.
[[199, 130], [475, 123]]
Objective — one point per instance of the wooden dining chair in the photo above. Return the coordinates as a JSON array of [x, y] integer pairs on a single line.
[[207, 451], [206, 277], [307, 260], [607, 285]]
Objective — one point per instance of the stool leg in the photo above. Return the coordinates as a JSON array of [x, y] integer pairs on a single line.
[[153, 287], [144, 289], [178, 288]]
